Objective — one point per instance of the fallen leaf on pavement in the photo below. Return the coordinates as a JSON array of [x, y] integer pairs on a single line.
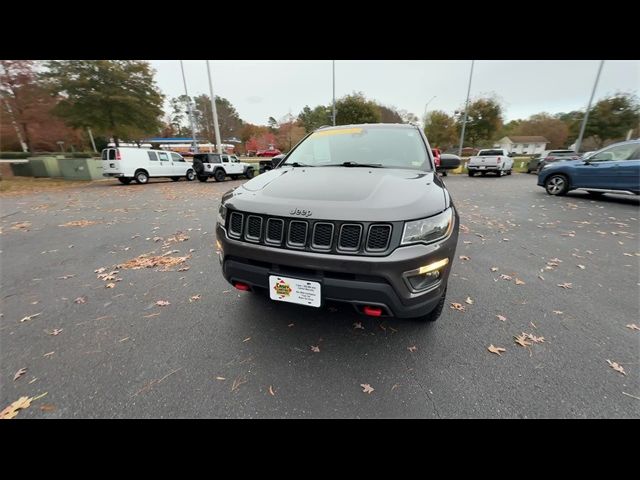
[[65, 277], [315, 348], [458, 306], [47, 407], [519, 282], [565, 285], [505, 277], [633, 326], [81, 300], [19, 373], [273, 394], [558, 312], [616, 367], [78, 223], [358, 325], [20, 404], [291, 325], [237, 382], [220, 378], [26, 319], [501, 318], [99, 270], [110, 285], [494, 269], [55, 331], [48, 354], [533, 338], [581, 267], [464, 257], [521, 340], [195, 298], [412, 348], [496, 350], [246, 339], [162, 303], [366, 388]]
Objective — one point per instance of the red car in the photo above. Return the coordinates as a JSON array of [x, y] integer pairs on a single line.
[[272, 152], [436, 158]]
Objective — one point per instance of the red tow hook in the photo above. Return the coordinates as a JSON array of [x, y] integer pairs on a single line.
[[242, 286], [372, 311]]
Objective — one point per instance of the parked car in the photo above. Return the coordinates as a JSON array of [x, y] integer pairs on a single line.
[[273, 162], [219, 166], [614, 169], [141, 164], [550, 156], [271, 152], [355, 214], [497, 160]]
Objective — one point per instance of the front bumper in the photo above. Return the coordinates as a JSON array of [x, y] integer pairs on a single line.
[[486, 168], [358, 280]]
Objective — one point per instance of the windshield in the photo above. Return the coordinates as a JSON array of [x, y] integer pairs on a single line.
[[390, 147]]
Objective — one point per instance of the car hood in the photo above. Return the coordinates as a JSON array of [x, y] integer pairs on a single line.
[[342, 193]]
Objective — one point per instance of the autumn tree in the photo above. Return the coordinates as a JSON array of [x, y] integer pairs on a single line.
[[229, 120], [311, 120], [389, 115], [612, 117], [484, 121], [355, 108], [440, 128], [114, 97], [289, 132], [15, 78], [553, 129]]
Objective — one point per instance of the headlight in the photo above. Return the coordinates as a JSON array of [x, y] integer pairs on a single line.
[[222, 215], [428, 230]]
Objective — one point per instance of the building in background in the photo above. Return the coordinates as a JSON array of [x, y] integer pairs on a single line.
[[523, 145]]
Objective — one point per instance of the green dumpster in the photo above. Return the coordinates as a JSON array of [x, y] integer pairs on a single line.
[[80, 168], [21, 168], [44, 166]]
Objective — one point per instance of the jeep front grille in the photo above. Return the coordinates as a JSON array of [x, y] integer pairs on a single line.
[[275, 229], [322, 236], [378, 238], [235, 225], [254, 228], [350, 237], [297, 234], [347, 238]]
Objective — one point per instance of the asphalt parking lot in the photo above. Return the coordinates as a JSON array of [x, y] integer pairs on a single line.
[[104, 348]]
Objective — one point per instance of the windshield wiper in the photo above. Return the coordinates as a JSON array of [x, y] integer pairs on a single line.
[[296, 164], [355, 164]]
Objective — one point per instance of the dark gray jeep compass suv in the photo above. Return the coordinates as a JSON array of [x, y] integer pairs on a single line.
[[354, 214]]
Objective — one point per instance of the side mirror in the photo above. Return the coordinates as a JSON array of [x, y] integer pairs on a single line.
[[449, 161]]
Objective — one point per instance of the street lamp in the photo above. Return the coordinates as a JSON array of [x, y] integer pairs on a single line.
[[425, 108]]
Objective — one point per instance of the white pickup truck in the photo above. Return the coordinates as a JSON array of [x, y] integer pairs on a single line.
[[495, 160]]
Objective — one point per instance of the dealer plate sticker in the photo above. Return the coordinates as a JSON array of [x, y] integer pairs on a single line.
[[293, 290]]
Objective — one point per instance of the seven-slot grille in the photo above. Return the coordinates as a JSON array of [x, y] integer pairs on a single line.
[[321, 236]]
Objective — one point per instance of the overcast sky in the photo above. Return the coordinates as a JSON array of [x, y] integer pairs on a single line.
[[263, 88]]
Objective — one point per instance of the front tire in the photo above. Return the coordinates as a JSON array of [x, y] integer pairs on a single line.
[[142, 177], [434, 314], [556, 185], [125, 180], [190, 176], [220, 175], [249, 173]]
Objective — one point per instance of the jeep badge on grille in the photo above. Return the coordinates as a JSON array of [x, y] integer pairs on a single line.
[[302, 213]]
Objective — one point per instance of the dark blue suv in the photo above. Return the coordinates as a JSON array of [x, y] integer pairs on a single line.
[[614, 169]]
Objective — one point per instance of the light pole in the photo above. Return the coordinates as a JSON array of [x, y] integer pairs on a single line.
[[425, 109], [93, 144], [466, 107], [190, 111], [214, 112], [334, 93], [586, 115]]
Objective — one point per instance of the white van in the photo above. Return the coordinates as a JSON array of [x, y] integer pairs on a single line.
[[140, 164]]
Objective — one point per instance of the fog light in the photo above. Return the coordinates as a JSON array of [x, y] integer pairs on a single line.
[[425, 277]]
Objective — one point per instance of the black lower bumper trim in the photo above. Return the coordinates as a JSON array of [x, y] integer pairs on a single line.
[[354, 292]]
